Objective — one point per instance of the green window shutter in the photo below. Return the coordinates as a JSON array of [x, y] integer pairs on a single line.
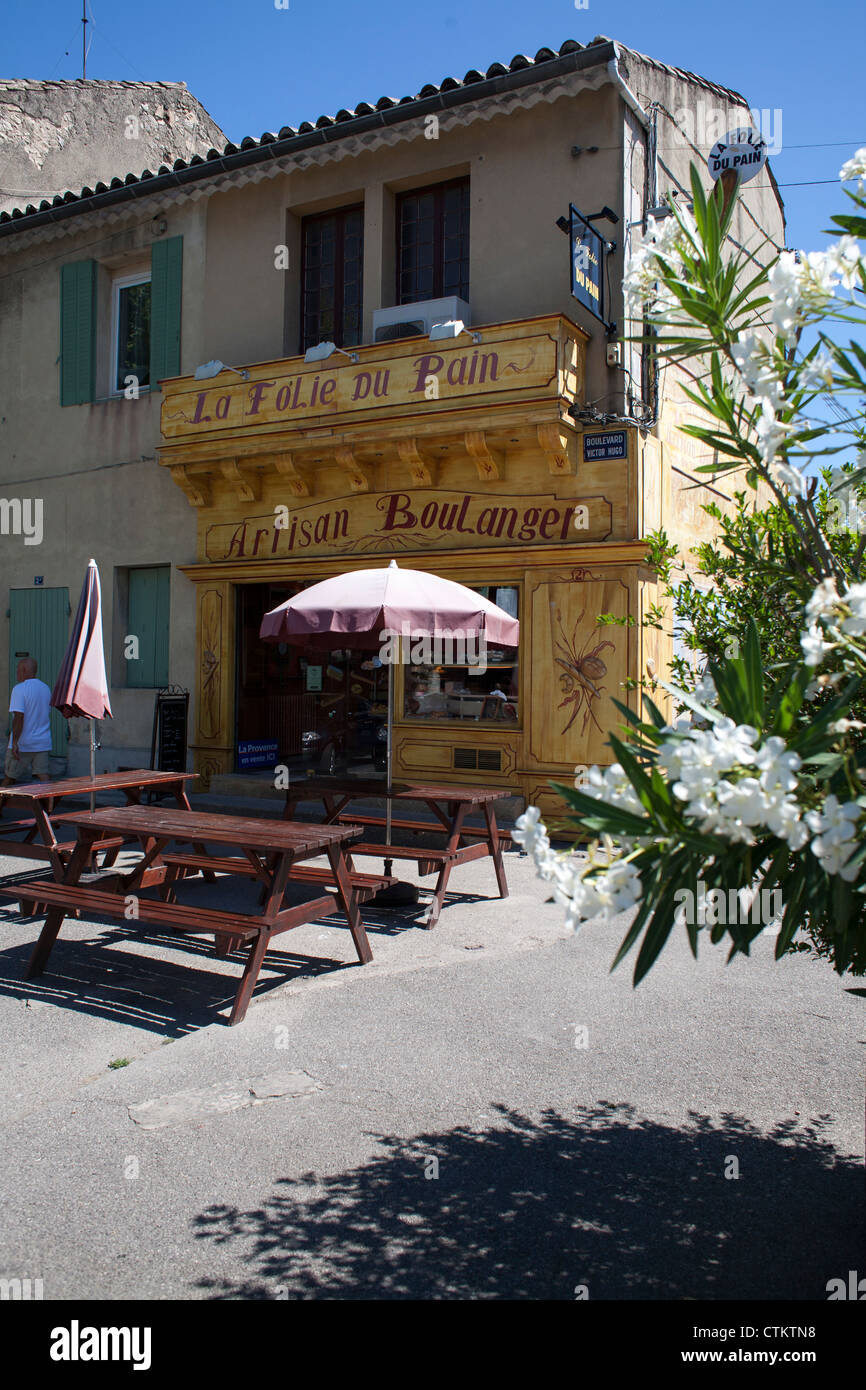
[[77, 332], [148, 620], [166, 281]]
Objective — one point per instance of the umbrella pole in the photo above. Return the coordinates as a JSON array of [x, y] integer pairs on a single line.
[[390, 730], [92, 764]]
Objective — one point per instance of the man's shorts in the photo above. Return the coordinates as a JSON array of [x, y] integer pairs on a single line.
[[27, 765]]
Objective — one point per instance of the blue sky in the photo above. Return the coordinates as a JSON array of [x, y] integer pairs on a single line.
[[256, 67]]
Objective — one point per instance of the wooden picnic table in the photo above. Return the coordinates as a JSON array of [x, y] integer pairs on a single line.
[[38, 799], [449, 806], [270, 852]]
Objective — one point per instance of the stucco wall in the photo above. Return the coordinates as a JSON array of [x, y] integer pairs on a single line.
[[94, 466]]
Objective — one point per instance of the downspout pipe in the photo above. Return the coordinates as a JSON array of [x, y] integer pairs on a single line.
[[650, 186], [625, 90]]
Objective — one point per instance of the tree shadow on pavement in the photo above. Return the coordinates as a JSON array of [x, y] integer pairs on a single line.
[[628, 1207]]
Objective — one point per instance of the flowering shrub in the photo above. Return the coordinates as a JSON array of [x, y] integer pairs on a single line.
[[762, 791]]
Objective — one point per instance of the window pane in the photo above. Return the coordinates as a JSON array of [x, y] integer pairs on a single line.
[[456, 686], [333, 258], [133, 334], [434, 243]]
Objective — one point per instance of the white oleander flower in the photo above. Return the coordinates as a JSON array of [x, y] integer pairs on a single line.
[[855, 168], [733, 789], [662, 242], [778, 765], [611, 785], [800, 285], [757, 369], [824, 600], [785, 296], [819, 278], [614, 889], [531, 832], [848, 261], [817, 374], [705, 690], [834, 829], [855, 599], [814, 646], [793, 478], [771, 434]]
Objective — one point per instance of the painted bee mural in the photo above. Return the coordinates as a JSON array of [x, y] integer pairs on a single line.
[[580, 675]]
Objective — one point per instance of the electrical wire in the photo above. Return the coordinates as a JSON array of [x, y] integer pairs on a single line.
[[104, 37]]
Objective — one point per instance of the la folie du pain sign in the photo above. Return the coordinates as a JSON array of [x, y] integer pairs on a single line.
[[421, 520], [314, 394]]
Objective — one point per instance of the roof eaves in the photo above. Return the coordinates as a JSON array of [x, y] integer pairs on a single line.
[[388, 111], [683, 74]]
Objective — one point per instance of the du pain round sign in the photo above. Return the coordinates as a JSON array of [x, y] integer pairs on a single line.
[[744, 150]]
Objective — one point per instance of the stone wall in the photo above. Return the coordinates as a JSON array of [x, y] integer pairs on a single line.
[[60, 136]]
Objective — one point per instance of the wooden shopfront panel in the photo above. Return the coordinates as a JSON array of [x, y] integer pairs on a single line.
[[576, 668]]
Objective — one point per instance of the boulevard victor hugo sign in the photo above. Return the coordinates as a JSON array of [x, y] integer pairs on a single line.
[[424, 520]]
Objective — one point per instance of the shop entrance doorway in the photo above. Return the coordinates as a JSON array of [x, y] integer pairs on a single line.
[[325, 711]]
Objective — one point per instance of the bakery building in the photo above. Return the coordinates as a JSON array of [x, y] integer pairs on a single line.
[[365, 340]]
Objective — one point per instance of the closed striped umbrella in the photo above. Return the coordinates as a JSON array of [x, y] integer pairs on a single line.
[[81, 688]]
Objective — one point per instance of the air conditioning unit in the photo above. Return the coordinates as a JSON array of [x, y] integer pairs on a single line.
[[414, 320]]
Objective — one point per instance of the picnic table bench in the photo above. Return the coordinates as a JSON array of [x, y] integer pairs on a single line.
[[449, 806], [271, 851], [39, 798]]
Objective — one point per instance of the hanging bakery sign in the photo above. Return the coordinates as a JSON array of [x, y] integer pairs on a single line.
[[744, 151], [409, 521]]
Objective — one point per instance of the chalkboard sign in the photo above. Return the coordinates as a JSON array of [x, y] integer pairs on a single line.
[[168, 743]]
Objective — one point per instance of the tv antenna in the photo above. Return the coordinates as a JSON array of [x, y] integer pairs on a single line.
[[84, 40]]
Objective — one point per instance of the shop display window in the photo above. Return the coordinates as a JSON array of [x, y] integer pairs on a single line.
[[455, 685]]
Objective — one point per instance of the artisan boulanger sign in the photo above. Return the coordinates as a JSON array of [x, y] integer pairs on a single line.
[[423, 520], [311, 392]]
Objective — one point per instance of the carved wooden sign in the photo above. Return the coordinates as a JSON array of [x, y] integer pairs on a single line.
[[385, 382], [411, 521]]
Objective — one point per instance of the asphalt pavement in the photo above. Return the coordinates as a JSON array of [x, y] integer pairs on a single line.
[[483, 1112]]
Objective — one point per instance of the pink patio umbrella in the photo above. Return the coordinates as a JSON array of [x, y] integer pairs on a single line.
[[354, 609], [81, 687]]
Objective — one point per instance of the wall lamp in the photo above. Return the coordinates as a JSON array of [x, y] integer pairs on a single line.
[[209, 369], [320, 351], [451, 328]]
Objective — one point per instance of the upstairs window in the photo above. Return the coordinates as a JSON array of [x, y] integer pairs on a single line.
[[433, 242], [130, 330], [332, 278], [132, 321]]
